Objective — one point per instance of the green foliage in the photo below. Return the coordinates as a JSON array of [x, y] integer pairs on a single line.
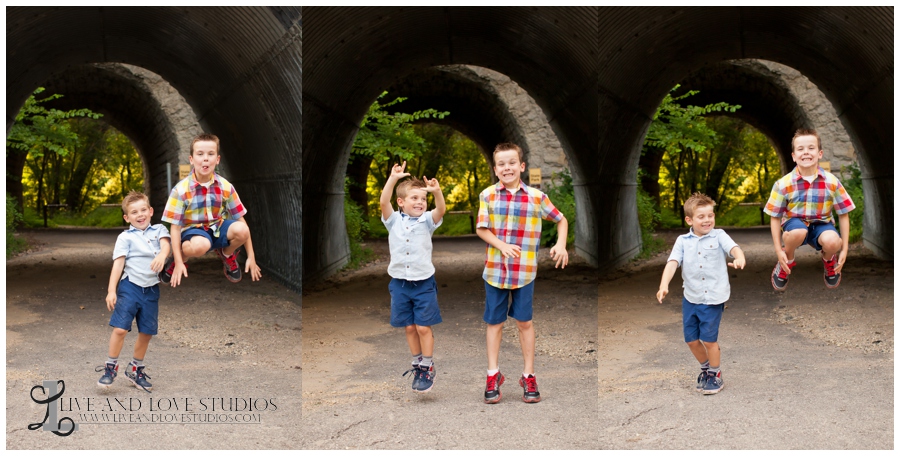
[[851, 178], [677, 128], [356, 227], [388, 137], [649, 219], [14, 244], [455, 225], [38, 129], [562, 196]]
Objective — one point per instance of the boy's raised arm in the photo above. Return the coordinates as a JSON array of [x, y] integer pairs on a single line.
[[440, 208], [385, 201]]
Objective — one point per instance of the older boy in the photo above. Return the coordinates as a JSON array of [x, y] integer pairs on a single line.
[[140, 253], [509, 220], [800, 205], [208, 206], [701, 255], [413, 290]]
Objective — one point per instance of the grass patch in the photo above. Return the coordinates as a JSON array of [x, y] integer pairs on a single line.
[[101, 217]]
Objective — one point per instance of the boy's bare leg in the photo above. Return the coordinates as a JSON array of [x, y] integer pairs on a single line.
[[526, 340], [792, 241], [412, 339], [715, 355], [426, 341], [831, 244], [116, 340], [195, 247], [699, 351], [494, 336], [238, 233], [140, 346]]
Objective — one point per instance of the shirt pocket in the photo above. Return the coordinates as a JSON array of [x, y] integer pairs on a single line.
[[709, 249]]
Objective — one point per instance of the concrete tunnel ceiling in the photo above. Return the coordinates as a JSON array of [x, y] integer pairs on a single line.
[[238, 67], [352, 54], [644, 52]]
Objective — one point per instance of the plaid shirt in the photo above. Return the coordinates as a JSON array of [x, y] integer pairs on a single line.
[[515, 218], [193, 205], [793, 197]]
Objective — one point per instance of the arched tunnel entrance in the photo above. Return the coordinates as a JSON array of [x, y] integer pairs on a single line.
[[238, 68]]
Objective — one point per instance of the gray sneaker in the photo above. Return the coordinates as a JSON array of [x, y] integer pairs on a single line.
[[780, 276], [701, 380], [426, 379], [714, 383], [138, 377], [109, 374], [832, 279], [416, 376]]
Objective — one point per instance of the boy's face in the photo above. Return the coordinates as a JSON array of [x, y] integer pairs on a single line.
[[703, 221], [508, 168], [415, 203], [806, 153], [204, 158], [138, 214]]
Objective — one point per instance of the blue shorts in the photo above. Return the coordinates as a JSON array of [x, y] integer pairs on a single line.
[[215, 242], [701, 321], [414, 302], [813, 231], [500, 302], [136, 303]]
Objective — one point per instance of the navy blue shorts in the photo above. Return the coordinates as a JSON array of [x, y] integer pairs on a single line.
[[414, 302], [813, 231], [499, 302], [215, 242], [136, 303], [701, 321]]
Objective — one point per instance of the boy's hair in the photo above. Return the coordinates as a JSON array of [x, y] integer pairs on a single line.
[[697, 200], [806, 132], [404, 186], [133, 197], [205, 137], [502, 147]]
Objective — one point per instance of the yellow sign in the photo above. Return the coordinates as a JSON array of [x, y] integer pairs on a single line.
[[183, 171], [534, 176], [826, 166]]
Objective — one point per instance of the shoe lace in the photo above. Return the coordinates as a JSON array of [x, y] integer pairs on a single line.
[[530, 384], [829, 267], [108, 369], [492, 381], [140, 374], [414, 370], [230, 260], [779, 271]]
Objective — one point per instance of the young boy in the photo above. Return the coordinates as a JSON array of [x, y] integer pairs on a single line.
[[201, 202], [801, 204], [140, 253], [413, 290], [509, 220], [701, 255]]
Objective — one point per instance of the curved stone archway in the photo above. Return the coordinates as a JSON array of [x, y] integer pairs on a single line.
[[646, 51], [353, 53], [238, 67]]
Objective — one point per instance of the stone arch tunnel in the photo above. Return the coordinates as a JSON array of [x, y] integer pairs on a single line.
[[598, 73], [238, 67]]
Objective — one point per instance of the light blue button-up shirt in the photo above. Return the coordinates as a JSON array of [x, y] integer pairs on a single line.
[[704, 267], [410, 242], [139, 249]]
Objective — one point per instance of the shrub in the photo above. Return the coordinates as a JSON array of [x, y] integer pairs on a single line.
[[649, 218], [854, 187], [14, 245], [563, 197], [356, 227]]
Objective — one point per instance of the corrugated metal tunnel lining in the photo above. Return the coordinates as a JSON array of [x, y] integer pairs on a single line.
[[239, 68]]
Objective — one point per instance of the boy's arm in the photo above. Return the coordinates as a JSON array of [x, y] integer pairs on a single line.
[[558, 252], [508, 250], [178, 256], [739, 260], [114, 276], [668, 273], [844, 225], [165, 245], [251, 266], [440, 208], [385, 201], [775, 225]]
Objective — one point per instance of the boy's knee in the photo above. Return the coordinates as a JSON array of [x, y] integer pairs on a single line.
[[119, 332], [238, 231], [830, 241], [525, 325], [411, 329], [423, 331], [195, 247], [695, 343], [710, 345]]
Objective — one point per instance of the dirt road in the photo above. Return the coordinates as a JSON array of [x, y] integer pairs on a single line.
[[809, 368], [220, 347], [354, 396]]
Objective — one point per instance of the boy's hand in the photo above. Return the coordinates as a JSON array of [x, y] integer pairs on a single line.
[[510, 250], [397, 171], [179, 270], [782, 260], [158, 262], [842, 257], [432, 185], [253, 269], [661, 294], [738, 263], [560, 254], [111, 301]]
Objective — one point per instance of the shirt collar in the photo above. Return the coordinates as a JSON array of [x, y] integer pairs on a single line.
[[796, 176], [500, 186], [134, 228], [194, 183], [712, 233]]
